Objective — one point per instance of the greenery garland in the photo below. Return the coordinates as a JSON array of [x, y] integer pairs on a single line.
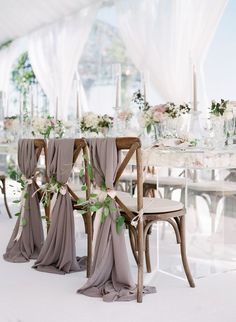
[[22, 75]]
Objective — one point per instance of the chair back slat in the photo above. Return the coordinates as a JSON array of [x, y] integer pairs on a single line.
[[81, 146], [40, 145], [126, 160], [133, 145]]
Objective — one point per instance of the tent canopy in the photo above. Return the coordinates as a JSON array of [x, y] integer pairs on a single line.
[[20, 17]]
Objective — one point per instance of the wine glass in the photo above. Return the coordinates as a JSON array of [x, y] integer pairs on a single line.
[[230, 127]]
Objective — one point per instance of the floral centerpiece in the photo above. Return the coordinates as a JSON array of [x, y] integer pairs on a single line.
[[173, 110], [11, 123], [125, 115], [104, 122], [223, 115], [152, 117], [94, 123], [89, 122], [223, 108], [46, 126]]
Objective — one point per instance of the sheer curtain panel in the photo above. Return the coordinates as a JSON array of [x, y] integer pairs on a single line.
[[54, 52], [166, 38]]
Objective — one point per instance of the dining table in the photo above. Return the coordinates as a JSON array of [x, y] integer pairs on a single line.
[[208, 191]]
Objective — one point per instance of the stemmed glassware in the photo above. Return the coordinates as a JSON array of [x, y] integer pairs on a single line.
[[230, 128]]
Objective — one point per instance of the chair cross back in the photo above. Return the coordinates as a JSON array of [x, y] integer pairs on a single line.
[[80, 145], [133, 145], [40, 145]]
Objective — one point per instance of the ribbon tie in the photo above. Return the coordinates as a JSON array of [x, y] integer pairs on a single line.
[[63, 190]]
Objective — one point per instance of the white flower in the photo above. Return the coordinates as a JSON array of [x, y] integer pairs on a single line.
[[90, 119], [145, 118]]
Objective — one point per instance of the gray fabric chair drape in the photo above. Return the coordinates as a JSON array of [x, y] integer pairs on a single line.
[[30, 241], [58, 254], [111, 277]]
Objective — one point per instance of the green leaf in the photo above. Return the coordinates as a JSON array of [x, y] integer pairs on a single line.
[[81, 173], [24, 222], [17, 214], [84, 188], [81, 201], [105, 213], [90, 172], [98, 204], [103, 185], [93, 195], [149, 128], [119, 223], [82, 212], [16, 201], [94, 208], [26, 195]]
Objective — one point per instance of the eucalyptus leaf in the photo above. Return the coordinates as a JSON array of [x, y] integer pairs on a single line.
[[16, 201], [105, 213], [81, 201], [82, 212], [81, 173], [119, 223], [84, 188]]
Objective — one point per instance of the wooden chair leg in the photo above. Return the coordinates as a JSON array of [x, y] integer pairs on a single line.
[[5, 197], [147, 254], [183, 252], [140, 262]]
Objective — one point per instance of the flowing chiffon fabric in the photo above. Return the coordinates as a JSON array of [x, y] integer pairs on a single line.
[[30, 242], [111, 277], [58, 254]]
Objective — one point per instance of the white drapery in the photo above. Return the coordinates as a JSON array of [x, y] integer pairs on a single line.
[[166, 37], [54, 52]]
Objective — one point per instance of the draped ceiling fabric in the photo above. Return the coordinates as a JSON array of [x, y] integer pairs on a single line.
[[19, 18], [165, 39], [54, 52]]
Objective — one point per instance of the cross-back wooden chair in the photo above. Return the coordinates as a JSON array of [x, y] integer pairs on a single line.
[[80, 146], [147, 211]]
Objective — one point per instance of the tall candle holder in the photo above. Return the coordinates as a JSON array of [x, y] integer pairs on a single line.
[[56, 111], [77, 131], [116, 73]]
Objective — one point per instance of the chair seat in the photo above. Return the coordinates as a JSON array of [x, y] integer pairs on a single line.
[[150, 205], [172, 181], [213, 186], [128, 176], [165, 181]]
